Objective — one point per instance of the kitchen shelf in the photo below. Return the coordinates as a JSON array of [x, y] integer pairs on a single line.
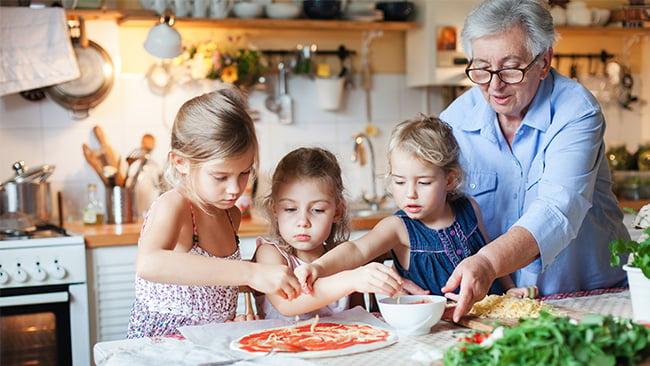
[[146, 18], [602, 31]]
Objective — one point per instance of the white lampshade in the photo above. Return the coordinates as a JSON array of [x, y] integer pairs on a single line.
[[163, 41]]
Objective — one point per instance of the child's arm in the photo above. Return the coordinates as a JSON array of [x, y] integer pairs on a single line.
[[373, 277], [389, 233], [163, 256]]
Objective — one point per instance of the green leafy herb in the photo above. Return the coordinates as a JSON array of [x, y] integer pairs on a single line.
[[599, 340], [640, 252]]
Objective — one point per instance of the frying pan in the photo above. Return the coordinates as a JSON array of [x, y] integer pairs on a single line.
[[96, 80]]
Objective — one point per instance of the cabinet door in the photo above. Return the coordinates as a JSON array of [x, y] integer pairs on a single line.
[[111, 283]]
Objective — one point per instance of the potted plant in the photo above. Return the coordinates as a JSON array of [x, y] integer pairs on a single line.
[[637, 267]]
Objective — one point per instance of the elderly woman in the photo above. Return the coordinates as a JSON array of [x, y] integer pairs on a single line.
[[532, 146]]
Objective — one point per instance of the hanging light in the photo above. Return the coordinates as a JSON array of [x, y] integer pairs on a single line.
[[163, 41]]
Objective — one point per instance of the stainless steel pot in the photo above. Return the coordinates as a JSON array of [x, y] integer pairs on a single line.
[[28, 192]]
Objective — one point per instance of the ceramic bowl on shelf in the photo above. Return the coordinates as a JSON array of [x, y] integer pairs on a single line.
[[321, 9], [396, 10], [412, 314], [282, 10], [247, 10]]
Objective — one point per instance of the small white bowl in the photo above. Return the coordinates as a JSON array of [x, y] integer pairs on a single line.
[[248, 10], [414, 315], [282, 10]]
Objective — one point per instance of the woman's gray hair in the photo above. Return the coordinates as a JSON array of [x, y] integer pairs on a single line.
[[496, 16]]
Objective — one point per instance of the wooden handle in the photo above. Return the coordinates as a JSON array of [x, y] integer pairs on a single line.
[[93, 161], [109, 154], [148, 142]]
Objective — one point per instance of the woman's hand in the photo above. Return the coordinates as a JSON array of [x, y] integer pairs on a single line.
[[275, 279], [244, 318], [474, 275]]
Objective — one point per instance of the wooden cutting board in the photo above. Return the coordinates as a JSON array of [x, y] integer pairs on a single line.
[[488, 324]]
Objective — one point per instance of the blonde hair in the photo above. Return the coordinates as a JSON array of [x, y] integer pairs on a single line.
[[211, 126], [310, 163], [431, 141]]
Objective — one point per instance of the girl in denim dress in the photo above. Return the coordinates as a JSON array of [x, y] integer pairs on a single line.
[[436, 225]]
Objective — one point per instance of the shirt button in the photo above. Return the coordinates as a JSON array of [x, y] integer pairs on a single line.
[[459, 251], [514, 196], [452, 233], [472, 186]]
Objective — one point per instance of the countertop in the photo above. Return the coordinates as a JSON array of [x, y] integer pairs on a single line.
[[97, 236]]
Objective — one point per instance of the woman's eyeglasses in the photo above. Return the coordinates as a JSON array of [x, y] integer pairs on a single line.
[[509, 75]]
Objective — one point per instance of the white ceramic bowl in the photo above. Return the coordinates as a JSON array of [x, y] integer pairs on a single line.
[[282, 10], [414, 315], [248, 10]]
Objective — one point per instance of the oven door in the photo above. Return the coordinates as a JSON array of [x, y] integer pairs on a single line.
[[35, 326]]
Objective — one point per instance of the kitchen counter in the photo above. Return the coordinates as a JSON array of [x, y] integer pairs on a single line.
[[97, 236]]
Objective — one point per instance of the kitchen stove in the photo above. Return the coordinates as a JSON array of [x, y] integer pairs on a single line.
[[43, 298]]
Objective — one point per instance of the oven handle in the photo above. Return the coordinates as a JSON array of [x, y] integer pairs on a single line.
[[34, 299]]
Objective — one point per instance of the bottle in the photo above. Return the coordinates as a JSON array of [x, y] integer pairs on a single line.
[[93, 213]]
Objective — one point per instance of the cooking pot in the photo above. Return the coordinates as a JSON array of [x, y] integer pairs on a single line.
[[26, 194]]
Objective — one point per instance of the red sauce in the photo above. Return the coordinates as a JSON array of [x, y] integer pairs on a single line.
[[325, 337]]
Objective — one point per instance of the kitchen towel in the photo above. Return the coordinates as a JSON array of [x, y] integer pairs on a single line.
[[35, 49]]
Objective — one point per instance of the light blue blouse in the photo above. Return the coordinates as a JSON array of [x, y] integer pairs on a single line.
[[554, 182]]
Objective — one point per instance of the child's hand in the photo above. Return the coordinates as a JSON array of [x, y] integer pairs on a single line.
[[412, 289], [530, 292], [275, 279], [306, 274], [376, 277]]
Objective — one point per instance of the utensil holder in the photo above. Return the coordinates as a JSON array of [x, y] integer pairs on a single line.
[[330, 92], [120, 205]]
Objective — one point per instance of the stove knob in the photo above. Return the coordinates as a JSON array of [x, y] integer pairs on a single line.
[[58, 272], [20, 275], [4, 277], [39, 274]]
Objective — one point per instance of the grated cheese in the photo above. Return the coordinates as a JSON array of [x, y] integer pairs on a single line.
[[509, 307]]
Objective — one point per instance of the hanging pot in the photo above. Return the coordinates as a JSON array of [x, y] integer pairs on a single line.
[[96, 80], [27, 196]]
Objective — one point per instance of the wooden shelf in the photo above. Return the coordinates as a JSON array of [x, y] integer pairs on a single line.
[[148, 17], [602, 31]]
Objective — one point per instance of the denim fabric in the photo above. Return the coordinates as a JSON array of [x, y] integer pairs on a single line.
[[435, 253]]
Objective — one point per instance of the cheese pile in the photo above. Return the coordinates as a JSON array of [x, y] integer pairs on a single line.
[[509, 307]]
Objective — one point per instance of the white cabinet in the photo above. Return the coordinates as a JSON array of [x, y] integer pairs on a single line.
[[111, 278], [425, 64]]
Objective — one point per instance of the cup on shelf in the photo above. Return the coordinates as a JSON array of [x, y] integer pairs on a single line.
[[182, 8], [559, 15], [600, 17], [220, 8], [200, 8], [577, 14]]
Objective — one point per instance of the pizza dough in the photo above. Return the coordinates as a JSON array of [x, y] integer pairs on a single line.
[[316, 340]]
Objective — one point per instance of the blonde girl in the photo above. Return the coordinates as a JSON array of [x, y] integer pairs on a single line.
[[188, 265], [308, 216]]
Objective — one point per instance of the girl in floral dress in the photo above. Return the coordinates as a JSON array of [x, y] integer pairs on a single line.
[[188, 265]]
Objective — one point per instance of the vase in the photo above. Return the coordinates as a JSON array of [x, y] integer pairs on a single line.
[[639, 293]]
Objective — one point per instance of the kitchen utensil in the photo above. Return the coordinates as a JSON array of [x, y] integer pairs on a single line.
[[366, 79], [120, 205], [96, 80], [28, 192], [92, 158], [108, 153], [284, 101]]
